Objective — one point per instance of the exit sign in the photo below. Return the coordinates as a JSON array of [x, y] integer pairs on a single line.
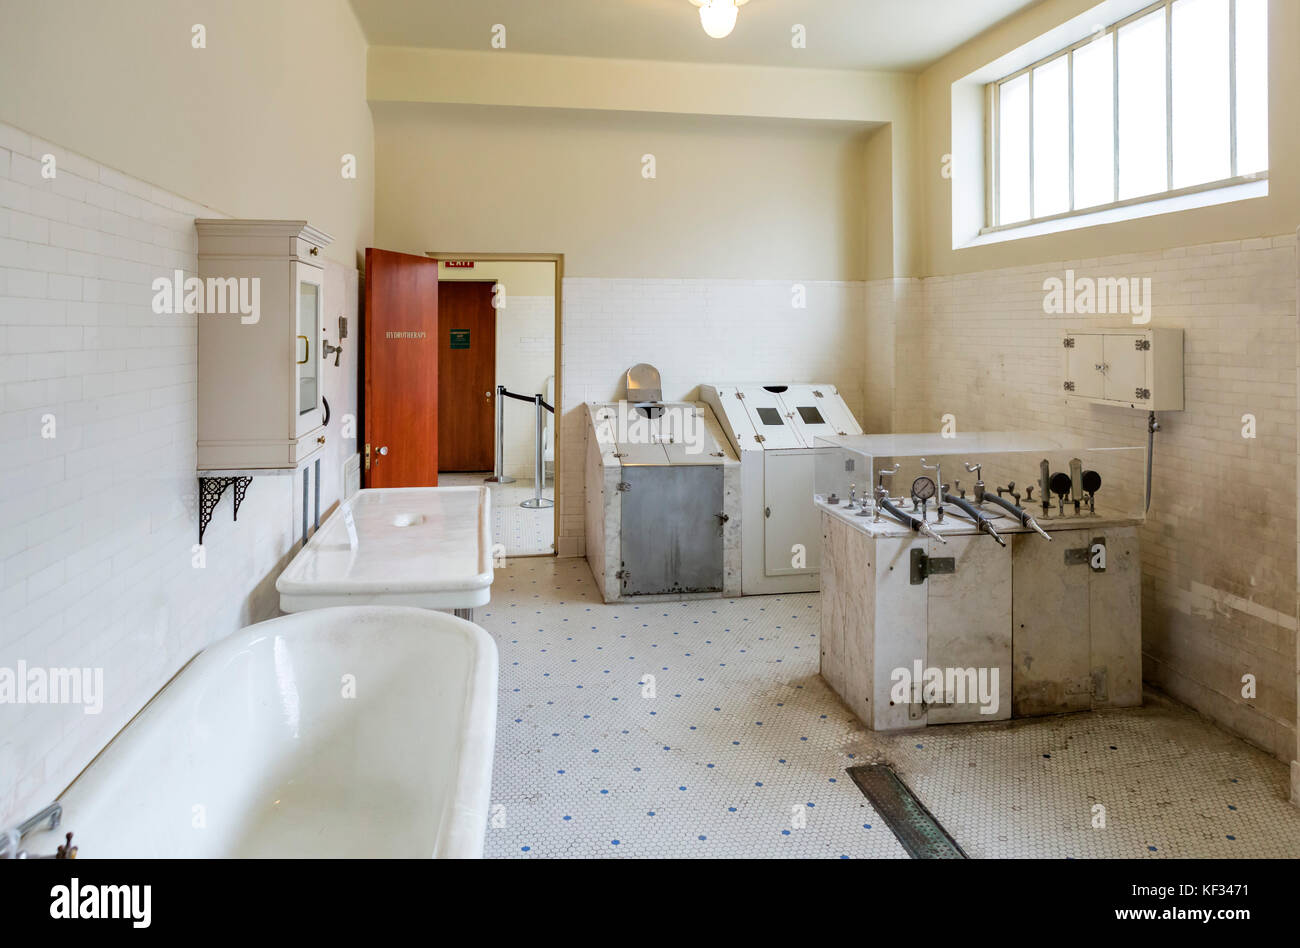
[[459, 264]]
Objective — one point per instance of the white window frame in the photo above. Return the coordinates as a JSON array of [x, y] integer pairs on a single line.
[[993, 133]]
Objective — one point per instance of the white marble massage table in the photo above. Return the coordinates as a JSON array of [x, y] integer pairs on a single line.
[[415, 546]]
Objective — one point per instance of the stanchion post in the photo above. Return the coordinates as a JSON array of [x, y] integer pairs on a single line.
[[537, 501], [498, 473]]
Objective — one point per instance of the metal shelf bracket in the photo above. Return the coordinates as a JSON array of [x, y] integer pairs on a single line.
[[210, 491]]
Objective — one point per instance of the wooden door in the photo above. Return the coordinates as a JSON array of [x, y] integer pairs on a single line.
[[466, 376], [401, 370]]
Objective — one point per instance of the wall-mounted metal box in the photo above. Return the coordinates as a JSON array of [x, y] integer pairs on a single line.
[[1129, 368]]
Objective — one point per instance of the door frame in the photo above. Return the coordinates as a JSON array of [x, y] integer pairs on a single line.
[[558, 260]]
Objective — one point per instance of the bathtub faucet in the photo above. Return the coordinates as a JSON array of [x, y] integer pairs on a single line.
[[11, 838]]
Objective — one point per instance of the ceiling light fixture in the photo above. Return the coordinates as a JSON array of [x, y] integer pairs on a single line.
[[718, 17]]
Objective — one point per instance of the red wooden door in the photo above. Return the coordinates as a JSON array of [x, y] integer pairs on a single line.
[[401, 370], [466, 376]]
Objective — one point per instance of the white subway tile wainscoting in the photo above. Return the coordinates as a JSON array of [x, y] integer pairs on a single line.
[[98, 489]]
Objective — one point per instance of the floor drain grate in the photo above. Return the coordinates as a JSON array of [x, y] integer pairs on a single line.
[[914, 826]]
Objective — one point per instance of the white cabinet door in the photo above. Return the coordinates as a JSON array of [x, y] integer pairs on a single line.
[[1084, 366], [1126, 368], [969, 630], [790, 518]]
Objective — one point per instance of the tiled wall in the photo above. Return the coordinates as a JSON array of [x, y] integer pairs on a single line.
[[97, 522], [1218, 548], [525, 360], [696, 332]]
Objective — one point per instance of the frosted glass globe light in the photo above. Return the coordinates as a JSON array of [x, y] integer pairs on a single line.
[[718, 17]]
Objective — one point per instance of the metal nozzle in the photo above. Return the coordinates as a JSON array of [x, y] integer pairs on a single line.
[[988, 528], [923, 528], [1032, 524]]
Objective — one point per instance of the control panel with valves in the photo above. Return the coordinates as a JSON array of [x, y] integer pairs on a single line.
[[1066, 494]]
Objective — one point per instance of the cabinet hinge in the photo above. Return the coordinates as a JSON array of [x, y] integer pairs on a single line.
[[1142, 345], [1141, 394], [1081, 555], [624, 486], [1068, 342], [1069, 386], [759, 438], [923, 566]]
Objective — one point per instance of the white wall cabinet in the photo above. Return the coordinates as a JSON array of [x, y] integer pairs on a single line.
[[259, 373], [1138, 368]]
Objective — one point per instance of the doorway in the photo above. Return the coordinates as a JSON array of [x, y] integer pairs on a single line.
[[499, 327]]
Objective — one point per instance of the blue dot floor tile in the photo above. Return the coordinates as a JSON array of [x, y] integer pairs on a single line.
[[702, 729]]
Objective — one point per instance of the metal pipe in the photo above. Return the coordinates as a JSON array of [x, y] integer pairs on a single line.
[[1026, 520], [537, 501], [1152, 427], [498, 472], [982, 520], [915, 525]]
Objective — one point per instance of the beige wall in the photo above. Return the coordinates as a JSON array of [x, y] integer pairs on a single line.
[[1225, 274], [733, 198], [254, 125], [1279, 213], [520, 277], [826, 98]]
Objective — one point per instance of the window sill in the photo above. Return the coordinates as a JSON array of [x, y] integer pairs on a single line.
[[1169, 205]]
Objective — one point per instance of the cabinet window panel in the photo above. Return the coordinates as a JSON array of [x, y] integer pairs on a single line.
[[1143, 155], [308, 333], [1252, 86], [1052, 137], [1094, 122], [1013, 150], [1202, 116]]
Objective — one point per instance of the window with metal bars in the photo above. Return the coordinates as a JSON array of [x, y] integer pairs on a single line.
[[1169, 101]]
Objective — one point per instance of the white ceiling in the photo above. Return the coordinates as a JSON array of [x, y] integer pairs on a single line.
[[842, 34]]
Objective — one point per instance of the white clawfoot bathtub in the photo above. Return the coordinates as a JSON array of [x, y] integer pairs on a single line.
[[356, 731]]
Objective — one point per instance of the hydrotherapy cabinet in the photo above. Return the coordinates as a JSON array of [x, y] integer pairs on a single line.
[[663, 508], [979, 577], [773, 429]]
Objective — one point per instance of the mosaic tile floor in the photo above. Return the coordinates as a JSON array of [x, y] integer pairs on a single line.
[[521, 531], [701, 729]]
